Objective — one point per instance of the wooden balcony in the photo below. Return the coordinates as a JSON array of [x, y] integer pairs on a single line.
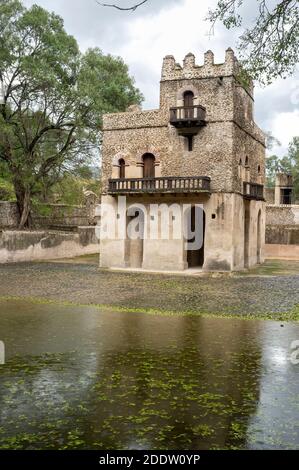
[[166, 184], [253, 191], [186, 117]]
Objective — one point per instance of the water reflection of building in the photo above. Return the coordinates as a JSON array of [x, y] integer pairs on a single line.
[[142, 380], [193, 380]]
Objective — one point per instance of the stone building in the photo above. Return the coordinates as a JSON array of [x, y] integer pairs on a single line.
[[282, 192], [201, 148], [283, 188]]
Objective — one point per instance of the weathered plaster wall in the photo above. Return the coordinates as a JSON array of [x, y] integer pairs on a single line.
[[224, 234], [18, 246], [276, 251]]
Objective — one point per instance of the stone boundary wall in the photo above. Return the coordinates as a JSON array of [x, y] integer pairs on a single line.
[[277, 251], [60, 215], [282, 234], [9, 216], [282, 229], [20, 246], [284, 214], [49, 215]]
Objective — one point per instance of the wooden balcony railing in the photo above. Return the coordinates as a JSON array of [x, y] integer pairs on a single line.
[[253, 191], [187, 116], [166, 184]]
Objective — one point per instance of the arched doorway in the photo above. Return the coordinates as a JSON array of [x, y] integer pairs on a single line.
[[259, 241], [246, 232], [188, 104], [195, 220], [122, 168], [148, 165], [135, 237]]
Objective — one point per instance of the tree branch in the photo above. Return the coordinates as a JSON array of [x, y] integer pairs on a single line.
[[133, 8], [46, 129]]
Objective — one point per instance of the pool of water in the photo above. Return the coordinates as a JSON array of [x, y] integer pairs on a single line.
[[82, 378]]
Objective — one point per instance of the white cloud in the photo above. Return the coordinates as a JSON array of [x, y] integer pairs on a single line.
[[284, 127]]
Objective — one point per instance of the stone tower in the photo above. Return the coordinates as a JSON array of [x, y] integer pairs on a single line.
[[200, 148]]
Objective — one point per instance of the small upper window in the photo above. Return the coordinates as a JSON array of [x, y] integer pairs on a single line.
[[148, 165], [188, 104], [122, 168], [240, 161], [259, 169], [188, 98], [246, 161]]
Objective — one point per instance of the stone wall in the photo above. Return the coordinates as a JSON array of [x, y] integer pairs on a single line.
[[18, 246], [277, 251], [50, 215], [8, 214], [282, 228], [282, 214], [59, 215], [282, 234], [270, 195]]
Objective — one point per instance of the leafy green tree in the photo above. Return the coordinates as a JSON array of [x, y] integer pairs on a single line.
[[274, 165], [293, 155], [287, 164], [52, 100], [270, 46]]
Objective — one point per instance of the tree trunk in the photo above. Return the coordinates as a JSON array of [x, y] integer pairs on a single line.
[[24, 204], [25, 215]]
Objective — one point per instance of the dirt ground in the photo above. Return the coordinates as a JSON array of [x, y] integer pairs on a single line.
[[270, 291]]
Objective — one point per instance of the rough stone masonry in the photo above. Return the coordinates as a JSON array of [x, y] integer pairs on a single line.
[[201, 147]]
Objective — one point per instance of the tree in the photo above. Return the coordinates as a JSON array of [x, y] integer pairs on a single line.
[[293, 155], [270, 47], [287, 164], [53, 99], [275, 165], [132, 8]]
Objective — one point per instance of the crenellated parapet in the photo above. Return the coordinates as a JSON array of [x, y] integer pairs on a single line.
[[171, 70]]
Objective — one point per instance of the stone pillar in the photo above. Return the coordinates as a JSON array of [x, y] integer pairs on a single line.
[[189, 61], [168, 67]]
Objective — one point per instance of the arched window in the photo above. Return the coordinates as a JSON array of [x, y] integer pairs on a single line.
[[246, 161], [259, 169], [148, 165], [122, 168], [188, 104], [240, 162]]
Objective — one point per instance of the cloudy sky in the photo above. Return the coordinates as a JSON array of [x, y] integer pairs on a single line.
[[175, 27]]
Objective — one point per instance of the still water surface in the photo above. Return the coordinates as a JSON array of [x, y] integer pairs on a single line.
[[82, 378]]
